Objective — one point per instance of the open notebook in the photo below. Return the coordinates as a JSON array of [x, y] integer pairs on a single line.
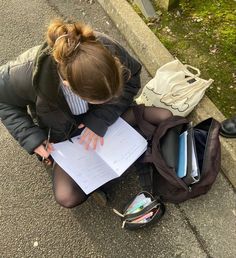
[[92, 168]]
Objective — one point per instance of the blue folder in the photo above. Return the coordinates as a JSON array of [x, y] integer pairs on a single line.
[[182, 156]]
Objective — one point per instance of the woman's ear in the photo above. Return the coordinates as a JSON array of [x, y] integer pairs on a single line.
[[66, 83]]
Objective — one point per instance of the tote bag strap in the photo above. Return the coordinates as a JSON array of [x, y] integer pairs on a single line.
[[188, 89], [184, 82]]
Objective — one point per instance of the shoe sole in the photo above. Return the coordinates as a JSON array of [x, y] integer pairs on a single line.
[[99, 198], [227, 136]]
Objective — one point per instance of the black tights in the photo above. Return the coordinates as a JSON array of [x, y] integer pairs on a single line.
[[67, 193]]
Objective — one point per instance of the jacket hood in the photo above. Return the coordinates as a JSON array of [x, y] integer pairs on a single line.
[[45, 77]]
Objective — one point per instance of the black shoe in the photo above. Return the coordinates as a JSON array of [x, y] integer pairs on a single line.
[[228, 128]]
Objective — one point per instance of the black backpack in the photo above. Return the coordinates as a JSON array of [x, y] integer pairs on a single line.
[[157, 165]]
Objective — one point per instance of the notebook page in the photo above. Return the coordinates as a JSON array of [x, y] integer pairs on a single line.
[[87, 169], [122, 146]]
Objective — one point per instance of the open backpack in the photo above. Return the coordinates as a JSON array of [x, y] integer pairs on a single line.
[[162, 155], [158, 166]]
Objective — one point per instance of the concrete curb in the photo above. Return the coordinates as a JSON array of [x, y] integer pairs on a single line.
[[153, 54]]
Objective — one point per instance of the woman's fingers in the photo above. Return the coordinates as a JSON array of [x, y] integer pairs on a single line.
[[101, 140], [84, 135], [50, 147], [42, 151], [89, 138], [81, 126], [94, 141]]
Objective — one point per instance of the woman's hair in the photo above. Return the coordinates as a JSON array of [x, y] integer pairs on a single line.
[[91, 70]]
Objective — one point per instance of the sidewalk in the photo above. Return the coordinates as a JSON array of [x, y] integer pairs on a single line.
[[33, 225]]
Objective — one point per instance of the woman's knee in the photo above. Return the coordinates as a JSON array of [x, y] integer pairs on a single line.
[[66, 192], [168, 113], [68, 199], [156, 115]]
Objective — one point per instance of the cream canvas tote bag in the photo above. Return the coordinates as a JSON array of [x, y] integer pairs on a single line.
[[175, 87]]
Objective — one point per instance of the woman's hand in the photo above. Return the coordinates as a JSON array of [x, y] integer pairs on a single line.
[[44, 150], [90, 138]]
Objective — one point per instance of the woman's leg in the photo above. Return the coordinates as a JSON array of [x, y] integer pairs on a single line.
[[67, 193], [153, 115]]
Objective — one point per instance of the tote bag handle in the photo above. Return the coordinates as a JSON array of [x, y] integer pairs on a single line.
[[193, 68]]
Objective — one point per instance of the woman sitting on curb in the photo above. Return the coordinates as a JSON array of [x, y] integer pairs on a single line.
[[77, 80]]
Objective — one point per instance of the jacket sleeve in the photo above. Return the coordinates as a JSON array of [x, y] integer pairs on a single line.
[[16, 93], [100, 117]]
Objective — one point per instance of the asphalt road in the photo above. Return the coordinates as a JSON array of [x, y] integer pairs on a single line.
[[32, 224]]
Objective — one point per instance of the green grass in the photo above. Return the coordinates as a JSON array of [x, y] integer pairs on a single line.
[[203, 34]]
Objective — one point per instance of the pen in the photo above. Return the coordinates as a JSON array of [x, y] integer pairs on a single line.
[[46, 146], [148, 215]]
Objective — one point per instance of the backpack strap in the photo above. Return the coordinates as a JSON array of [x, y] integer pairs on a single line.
[[145, 173], [144, 167]]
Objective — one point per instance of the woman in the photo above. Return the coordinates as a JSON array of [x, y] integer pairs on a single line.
[[77, 80]]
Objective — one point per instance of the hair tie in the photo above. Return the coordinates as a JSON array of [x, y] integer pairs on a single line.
[[65, 35], [77, 46], [62, 36]]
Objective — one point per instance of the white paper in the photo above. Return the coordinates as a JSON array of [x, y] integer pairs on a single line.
[[195, 169], [84, 166], [90, 169], [123, 145]]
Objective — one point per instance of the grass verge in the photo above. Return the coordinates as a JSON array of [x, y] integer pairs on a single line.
[[203, 34]]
